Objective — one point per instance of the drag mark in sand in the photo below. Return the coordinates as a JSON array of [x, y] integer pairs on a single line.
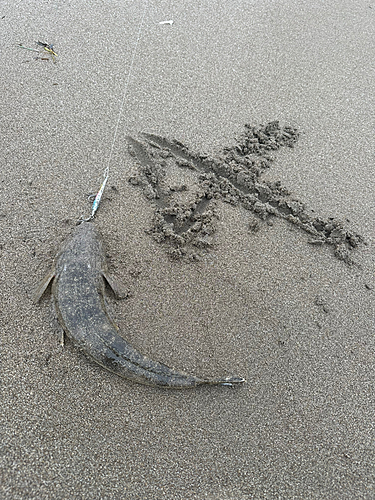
[[235, 177]]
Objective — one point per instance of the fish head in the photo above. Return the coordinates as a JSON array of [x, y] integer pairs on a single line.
[[83, 246]]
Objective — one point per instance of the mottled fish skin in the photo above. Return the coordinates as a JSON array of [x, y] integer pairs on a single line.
[[78, 286]]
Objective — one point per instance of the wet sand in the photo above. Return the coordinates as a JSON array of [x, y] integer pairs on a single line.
[[250, 293]]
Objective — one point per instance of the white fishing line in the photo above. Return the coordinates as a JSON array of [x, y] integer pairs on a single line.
[[97, 199], [126, 86]]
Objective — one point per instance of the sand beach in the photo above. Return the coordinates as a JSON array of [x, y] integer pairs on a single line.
[[239, 213]]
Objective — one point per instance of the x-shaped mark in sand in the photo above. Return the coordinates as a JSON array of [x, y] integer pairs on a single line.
[[186, 222]]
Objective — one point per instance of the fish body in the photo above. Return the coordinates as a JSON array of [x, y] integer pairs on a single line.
[[78, 287]]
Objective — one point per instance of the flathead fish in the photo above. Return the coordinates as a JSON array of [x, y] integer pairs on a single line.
[[78, 280]]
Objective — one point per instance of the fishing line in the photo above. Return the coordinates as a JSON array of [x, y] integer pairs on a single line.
[[97, 199]]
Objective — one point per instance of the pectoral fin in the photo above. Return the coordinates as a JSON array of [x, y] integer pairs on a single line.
[[43, 286], [117, 289]]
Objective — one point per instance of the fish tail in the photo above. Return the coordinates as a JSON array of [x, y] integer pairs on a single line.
[[229, 381]]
